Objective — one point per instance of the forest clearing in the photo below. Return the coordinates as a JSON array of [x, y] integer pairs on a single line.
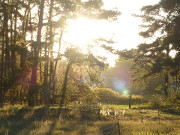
[[89, 67], [86, 120]]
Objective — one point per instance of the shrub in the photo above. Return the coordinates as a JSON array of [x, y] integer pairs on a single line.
[[156, 101], [108, 96]]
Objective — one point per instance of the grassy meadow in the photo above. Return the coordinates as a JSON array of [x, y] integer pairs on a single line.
[[87, 120]]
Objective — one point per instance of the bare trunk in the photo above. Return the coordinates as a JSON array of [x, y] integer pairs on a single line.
[[45, 89], [5, 59], [13, 57], [2, 69], [51, 37], [2, 76], [55, 67], [166, 80], [36, 54], [65, 84], [177, 81], [7, 54], [130, 97]]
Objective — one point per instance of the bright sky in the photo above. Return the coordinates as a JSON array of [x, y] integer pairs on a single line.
[[124, 31], [127, 26]]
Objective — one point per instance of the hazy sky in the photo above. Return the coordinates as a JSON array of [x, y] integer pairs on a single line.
[[127, 26], [124, 31]]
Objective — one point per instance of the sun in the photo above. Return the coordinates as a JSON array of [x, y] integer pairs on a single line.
[[83, 30]]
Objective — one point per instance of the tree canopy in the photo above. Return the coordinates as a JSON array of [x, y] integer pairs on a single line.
[[29, 31], [159, 54]]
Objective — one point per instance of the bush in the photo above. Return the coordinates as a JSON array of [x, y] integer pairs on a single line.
[[174, 100], [172, 104], [108, 96], [156, 101]]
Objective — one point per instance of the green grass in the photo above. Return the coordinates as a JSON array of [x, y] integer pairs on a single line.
[[44, 120]]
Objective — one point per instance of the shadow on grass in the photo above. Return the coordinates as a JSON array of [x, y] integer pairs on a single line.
[[23, 119], [29, 120], [109, 129], [55, 121], [171, 111], [79, 115], [167, 110]]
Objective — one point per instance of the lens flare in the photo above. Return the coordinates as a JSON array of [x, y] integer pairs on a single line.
[[118, 84], [121, 86], [125, 92]]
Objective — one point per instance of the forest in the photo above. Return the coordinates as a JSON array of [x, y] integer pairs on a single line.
[[49, 85]]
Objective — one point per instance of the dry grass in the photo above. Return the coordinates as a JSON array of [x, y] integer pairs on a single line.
[[44, 121]]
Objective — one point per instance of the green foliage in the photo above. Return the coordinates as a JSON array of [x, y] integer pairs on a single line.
[[94, 4], [81, 93], [91, 98], [156, 101], [154, 58], [35, 89], [74, 55], [108, 96], [174, 100], [27, 43], [11, 80], [172, 103]]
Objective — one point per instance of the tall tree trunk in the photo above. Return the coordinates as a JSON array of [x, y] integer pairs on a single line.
[[55, 67], [65, 84], [46, 84], [40, 66], [13, 56], [5, 60], [2, 67], [51, 40], [23, 54], [177, 80], [7, 53], [166, 80], [36, 54], [12, 63], [45, 81], [2, 75], [130, 100]]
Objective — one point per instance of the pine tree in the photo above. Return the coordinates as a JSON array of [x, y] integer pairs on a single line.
[[160, 23]]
